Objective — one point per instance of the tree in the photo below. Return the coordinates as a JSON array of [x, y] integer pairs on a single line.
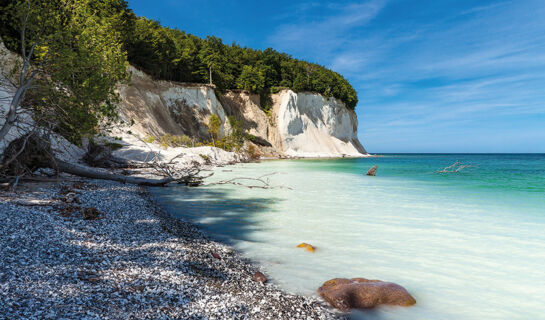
[[72, 62], [172, 54], [212, 55], [251, 79], [214, 126]]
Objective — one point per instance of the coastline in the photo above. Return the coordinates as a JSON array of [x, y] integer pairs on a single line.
[[135, 261], [330, 157]]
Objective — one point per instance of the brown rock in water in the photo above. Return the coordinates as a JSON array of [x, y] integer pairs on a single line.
[[372, 171], [360, 293], [307, 246], [259, 277], [91, 214]]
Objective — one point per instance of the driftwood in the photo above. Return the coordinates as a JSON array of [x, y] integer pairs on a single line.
[[372, 171], [261, 182], [82, 171], [35, 203], [29, 153]]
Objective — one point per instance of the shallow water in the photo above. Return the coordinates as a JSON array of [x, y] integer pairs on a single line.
[[467, 245]]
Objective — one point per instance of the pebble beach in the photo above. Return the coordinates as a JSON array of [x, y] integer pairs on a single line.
[[90, 249]]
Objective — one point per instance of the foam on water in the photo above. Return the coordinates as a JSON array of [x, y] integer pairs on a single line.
[[467, 246]]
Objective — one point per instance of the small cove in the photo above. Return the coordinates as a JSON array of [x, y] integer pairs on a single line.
[[467, 245]]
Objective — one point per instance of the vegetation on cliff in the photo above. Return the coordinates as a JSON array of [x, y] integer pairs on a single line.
[[71, 62], [171, 54]]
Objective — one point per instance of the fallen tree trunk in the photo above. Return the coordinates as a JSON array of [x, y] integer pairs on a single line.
[[82, 171], [29, 153]]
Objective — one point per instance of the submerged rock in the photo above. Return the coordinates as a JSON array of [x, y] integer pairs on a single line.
[[360, 293], [307, 246], [372, 171]]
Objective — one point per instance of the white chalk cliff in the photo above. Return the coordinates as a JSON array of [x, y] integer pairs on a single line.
[[311, 125], [298, 125], [160, 107]]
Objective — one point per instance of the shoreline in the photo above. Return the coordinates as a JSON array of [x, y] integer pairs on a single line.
[[136, 261]]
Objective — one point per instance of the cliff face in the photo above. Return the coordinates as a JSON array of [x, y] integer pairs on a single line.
[[312, 126], [298, 124], [163, 107]]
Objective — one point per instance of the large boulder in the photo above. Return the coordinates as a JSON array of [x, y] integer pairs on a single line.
[[360, 293]]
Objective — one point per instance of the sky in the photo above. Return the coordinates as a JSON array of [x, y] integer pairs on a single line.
[[431, 75]]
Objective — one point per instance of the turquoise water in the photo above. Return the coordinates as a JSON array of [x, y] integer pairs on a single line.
[[467, 245]]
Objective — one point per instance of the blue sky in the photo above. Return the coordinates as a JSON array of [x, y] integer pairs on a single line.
[[431, 75]]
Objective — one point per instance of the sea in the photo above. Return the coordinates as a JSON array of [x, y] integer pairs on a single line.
[[463, 233]]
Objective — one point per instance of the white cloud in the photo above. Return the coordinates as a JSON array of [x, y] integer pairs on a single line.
[[322, 35]]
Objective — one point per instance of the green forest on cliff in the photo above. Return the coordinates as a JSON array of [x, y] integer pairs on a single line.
[[172, 54]]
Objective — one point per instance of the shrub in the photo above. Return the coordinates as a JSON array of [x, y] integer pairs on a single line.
[[169, 140], [149, 139], [253, 152], [214, 125], [114, 145]]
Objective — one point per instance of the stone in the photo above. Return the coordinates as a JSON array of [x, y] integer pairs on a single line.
[[216, 255], [372, 171], [360, 293], [307, 246], [91, 214], [67, 211], [71, 197], [259, 277]]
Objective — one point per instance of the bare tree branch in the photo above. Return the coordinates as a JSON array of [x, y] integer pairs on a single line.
[[262, 183], [455, 167], [10, 160]]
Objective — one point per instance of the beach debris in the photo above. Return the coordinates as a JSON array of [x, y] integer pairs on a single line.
[[31, 152], [360, 293], [216, 255], [372, 171], [262, 182], [307, 246], [91, 214], [65, 190], [259, 277], [455, 167], [79, 185], [34, 203], [67, 211], [71, 197], [47, 172]]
